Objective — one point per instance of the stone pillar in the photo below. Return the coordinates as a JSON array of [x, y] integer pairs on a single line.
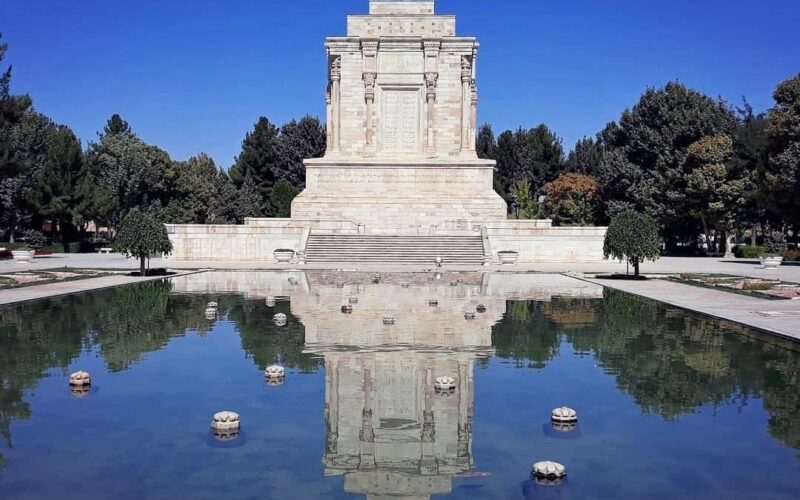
[[329, 118], [369, 52], [466, 102], [473, 115], [336, 78], [369, 98], [431, 48], [430, 99], [473, 112]]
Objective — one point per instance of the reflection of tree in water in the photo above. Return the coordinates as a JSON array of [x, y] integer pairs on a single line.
[[33, 339], [671, 362], [529, 332], [122, 323], [266, 343]]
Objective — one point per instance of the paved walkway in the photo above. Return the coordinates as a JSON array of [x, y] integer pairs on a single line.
[[781, 317], [666, 265], [37, 292]]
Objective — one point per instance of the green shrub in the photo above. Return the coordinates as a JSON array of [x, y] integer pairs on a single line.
[[748, 251], [34, 239], [632, 236]]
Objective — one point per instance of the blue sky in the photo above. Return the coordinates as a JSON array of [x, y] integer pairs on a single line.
[[195, 75]]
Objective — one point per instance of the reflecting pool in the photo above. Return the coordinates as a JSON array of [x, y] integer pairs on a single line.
[[670, 404]]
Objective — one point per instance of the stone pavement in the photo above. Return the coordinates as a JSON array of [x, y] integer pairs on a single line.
[[37, 292], [781, 317], [666, 265]]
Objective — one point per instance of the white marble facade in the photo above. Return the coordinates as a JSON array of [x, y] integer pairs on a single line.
[[401, 109]]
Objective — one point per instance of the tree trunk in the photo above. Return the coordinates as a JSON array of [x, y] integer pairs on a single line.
[[707, 234], [141, 266], [636, 267], [753, 232]]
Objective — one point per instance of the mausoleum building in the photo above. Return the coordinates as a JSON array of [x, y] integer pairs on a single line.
[[400, 180]]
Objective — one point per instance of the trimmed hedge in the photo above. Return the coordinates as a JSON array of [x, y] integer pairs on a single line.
[[748, 251]]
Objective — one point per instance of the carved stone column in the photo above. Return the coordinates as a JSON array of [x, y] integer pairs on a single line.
[[336, 78], [369, 97], [329, 118], [430, 98], [473, 114], [466, 83]]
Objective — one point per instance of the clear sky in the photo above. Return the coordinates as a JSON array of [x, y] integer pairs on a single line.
[[194, 75]]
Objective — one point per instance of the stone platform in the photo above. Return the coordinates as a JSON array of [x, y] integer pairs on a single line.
[[393, 194]]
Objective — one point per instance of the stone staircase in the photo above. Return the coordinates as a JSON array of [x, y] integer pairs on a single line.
[[392, 249]]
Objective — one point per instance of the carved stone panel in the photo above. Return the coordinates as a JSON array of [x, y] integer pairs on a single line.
[[401, 62], [400, 125]]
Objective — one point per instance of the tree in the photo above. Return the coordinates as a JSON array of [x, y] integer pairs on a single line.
[[141, 235], [55, 193], [572, 200], [783, 176], [713, 192], [258, 158], [297, 141], [116, 126], [281, 198], [193, 191], [135, 173], [250, 202], [524, 205], [30, 140], [485, 143], [585, 157], [632, 236], [12, 110], [643, 166], [750, 163]]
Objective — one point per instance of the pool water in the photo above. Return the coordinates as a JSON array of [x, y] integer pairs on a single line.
[[670, 404]]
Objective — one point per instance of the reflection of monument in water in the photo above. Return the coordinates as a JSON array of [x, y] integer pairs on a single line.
[[388, 430]]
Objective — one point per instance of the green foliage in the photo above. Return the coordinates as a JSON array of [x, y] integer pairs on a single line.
[[535, 155], [572, 200], [141, 235], [134, 172], [55, 191], [34, 239], [116, 126], [782, 179], [297, 141], [644, 164], [632, 236], [775, 244], [748, 251], [281, 198], [585, 156], [258, 158], [523, 205], [714, 191], [485, 143]]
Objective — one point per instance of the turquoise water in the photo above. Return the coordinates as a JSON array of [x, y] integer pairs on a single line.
[[671, 405]]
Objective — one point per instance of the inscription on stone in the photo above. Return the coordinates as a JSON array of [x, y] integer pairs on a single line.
[[400, 119], [401, 62]]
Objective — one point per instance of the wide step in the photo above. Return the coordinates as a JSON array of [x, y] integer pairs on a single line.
[[380, 249]]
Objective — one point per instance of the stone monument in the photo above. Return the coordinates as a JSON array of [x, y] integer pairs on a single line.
[[400, 181], [401, 110]]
